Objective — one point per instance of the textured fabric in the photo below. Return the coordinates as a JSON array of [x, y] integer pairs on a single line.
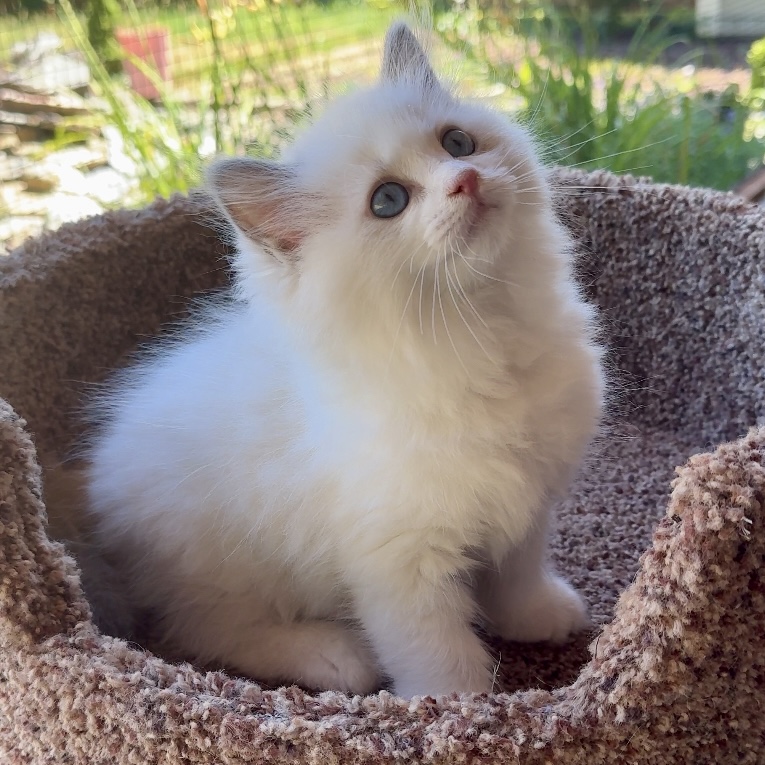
[[672, 672]]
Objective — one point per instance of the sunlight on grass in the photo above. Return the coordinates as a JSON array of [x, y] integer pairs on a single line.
[[616, 114], [244, 73], [242, 78]]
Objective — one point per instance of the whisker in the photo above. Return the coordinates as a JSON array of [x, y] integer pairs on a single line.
[[575, 147], [419, 310], [476, 259], [403, 263], [446, 323], [561, 189], [458, 285], [403, 316], [541, 98], [433, 307], [464, 320], [620, 153], [481, 274], [568, 137]]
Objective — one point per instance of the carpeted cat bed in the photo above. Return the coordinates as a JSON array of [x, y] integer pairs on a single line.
[[674, 674]]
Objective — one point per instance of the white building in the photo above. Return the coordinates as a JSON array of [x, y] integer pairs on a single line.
[[730, 18]]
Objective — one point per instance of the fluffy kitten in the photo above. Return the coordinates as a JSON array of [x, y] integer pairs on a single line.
[[335, 476]]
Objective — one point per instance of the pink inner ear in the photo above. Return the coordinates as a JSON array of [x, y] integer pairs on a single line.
[[269, 223], [264, 200], [290, 241], [281, 226]]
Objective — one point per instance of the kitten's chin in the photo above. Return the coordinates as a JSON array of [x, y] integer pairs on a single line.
[[471, 231], [475, 220]]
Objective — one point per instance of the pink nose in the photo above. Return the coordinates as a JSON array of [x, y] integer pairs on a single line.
[[466, 182]]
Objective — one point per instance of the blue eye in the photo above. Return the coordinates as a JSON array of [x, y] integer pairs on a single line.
[[458, 143], [389, 200]]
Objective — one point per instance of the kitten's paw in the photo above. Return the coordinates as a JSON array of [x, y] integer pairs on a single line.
[[552, 610], [409, 687], [342, 663], [470, 669], [413, 687]]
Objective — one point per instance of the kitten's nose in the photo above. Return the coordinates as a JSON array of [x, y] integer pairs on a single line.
[[466, 182]]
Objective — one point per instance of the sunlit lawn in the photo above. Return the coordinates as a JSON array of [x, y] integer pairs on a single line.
[[271, 60], [268, 34]]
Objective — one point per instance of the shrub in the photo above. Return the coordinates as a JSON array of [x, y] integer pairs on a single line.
[[610, 114], [259, 68], [102, 23], [756, 60]]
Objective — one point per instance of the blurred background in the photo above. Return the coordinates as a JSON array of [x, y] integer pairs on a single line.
[[108, 104]]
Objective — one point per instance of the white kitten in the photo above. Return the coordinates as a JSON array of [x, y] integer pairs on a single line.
[[339, 473]]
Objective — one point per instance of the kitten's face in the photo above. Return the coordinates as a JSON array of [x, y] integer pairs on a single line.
[[399, 175], [413, 175]]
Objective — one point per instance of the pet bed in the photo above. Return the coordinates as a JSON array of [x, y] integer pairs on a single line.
[[673, 673]]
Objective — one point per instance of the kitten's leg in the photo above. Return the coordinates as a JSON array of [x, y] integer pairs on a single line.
[[315, 654], [418, 615], [526, 600]]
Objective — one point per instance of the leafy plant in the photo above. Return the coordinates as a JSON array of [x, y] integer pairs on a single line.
[[614, 114], [258, 68], [164, 155], [756, 60], [102, 22]]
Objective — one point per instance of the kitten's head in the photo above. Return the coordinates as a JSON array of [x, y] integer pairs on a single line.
[[401, 174]]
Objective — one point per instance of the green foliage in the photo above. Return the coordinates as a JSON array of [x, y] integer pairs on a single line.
[[258, 70], [102, 23], [756, 60], [613, 114], [261, 66], [608, 19], [677, 138], [154, 140], [23, 7]]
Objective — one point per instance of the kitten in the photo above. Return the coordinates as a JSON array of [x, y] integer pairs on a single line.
[[331, 479]]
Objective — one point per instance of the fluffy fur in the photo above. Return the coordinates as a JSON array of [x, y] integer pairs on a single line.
[[331, 480]]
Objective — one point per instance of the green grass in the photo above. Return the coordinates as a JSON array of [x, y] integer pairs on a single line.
[[272, 33], [265, 35], [334, 20], [241, 79], [592, 112]]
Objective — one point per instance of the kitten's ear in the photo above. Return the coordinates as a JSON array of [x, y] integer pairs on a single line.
[[263, 200], [404, 58]]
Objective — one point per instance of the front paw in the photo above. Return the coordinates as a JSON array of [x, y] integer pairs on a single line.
[[481, 682], [549, 610], [469, 669], [344, 664]]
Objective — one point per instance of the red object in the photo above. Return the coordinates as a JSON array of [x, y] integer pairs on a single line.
[[151, 46]]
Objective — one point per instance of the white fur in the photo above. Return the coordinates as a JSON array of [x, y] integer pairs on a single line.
[[345, 468]]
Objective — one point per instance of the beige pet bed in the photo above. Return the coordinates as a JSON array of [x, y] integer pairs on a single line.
[[674, 674]]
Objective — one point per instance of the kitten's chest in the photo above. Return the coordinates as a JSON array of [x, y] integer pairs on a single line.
[[481, 460], [472, 468]]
